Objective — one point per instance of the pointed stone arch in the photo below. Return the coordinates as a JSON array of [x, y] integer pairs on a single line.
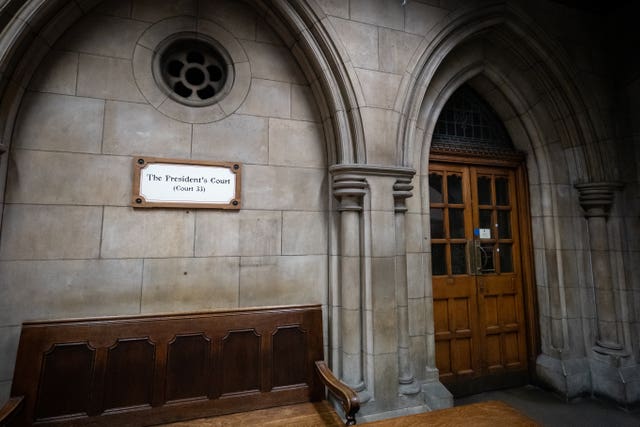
[[551, 76], [32, 27], [303, 27], [524, 76]]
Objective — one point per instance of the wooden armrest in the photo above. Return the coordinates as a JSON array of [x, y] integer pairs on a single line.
[[345, 394], [10, 409]]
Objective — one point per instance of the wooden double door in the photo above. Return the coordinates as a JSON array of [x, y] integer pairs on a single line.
[[479, 311]]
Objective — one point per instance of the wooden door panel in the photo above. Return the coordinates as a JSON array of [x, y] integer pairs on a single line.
[[455, 314], [454, 334], [491, 321], [454, 358], [493, 356], [512, 353], [461, 316], [441, 319], [509, 312], [478, 298], [443, 359], [463, 357]]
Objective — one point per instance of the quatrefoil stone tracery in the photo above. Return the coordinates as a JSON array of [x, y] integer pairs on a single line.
[[193, 71]]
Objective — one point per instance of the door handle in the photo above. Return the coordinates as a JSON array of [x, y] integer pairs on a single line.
[[481, 285], [475, 257]]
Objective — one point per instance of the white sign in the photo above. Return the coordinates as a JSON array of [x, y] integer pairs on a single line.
[[186, 183], [485, 233]]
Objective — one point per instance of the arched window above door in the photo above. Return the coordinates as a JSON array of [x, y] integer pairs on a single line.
[[468, 125]]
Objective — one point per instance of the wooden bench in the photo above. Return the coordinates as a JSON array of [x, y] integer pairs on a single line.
[[146, 370]]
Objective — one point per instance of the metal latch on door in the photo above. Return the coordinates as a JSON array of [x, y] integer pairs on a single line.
[[477, 256]]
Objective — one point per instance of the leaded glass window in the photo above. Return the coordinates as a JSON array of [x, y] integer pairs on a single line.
[[468, 124]]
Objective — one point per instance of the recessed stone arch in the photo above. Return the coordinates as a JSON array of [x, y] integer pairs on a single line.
[[550, 79], [304, 28], [35, 25], [522, 74], [492, 46]]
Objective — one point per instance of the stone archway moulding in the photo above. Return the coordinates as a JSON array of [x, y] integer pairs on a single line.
[[555, 75], [424, 90], [33, 26]]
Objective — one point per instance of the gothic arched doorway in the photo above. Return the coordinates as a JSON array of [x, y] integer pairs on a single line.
[[480, 247]]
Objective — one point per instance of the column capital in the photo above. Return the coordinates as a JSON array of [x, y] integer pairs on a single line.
[[401, 192], [350, 182], [371, 170], [596, 198], [349, 189]]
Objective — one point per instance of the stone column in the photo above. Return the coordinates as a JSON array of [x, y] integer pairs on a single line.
[[596, 200], [401, 191], [350, 189]]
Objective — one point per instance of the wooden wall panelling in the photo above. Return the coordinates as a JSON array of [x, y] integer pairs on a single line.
[[158, 387], [188, 359], [140, 370], [241, 367], [65, 382], [129, 374], [290, 361], [96, 403]]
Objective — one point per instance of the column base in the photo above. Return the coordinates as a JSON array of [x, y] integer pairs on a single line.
[[570, 377], [609, 350], [364, 396], [400, 406], [432, 395], [607, 373], [436, 395], [361, 390], [615, 376], [410, 387]]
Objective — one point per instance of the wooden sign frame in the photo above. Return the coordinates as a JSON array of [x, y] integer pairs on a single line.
[[187, 185]]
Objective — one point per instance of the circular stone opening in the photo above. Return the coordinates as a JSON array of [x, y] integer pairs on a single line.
[[193, 71], [195, 76]]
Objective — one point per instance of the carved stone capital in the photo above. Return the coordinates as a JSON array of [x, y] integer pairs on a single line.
[[349, 189], [596, 198], [401, 192], [349, 183]]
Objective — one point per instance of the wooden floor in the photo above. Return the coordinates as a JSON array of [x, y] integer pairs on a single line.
[[303, 414], [484, 414]]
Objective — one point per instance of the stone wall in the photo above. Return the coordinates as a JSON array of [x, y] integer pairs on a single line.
[[627, 69], [376, 78], [72, 246], [632, 225]]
